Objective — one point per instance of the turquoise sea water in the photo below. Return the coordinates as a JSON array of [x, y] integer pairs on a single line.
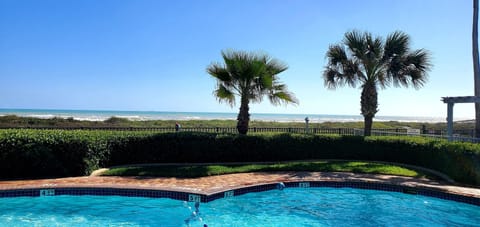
[[98, 115], [290, 207]]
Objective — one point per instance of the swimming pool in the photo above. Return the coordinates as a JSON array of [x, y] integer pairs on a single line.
[[289, 207]]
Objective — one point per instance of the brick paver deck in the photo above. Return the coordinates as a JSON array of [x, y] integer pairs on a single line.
[[214, 184]]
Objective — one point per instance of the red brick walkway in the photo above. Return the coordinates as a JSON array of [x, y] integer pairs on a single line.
[[213, 184]]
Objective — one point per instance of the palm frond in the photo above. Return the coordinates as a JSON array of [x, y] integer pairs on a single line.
[[382, 77], [219, 72], [418, 64], [341, 69], [280, 95], [418, 79], [335, 77], [336, 54], [355, 42], [421, 59], [396, 45], [411, 69], [223, 94], [374, 48], [353, 73], [235, 62], [275, 67], [266, 81]]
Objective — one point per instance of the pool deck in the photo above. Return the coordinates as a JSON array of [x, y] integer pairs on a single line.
[[214, 184]]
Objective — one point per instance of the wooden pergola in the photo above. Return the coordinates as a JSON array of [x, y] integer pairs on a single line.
[[450, 102]]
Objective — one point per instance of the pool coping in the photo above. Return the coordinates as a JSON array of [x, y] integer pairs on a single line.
[[206, 189]]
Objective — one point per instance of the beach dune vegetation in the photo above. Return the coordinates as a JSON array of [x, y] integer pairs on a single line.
[[12, 121]]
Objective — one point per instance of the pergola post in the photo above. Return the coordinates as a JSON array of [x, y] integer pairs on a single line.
[[450, 121], [450, 102]]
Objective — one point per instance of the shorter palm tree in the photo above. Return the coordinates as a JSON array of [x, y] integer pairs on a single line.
[[249, 76], [373, 62]]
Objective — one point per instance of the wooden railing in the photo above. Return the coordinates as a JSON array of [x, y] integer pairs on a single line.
[[339, 131]]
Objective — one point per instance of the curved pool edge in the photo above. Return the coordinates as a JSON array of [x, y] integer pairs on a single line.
[[207, 189]]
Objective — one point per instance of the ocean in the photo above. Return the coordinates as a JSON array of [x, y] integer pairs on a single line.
[[101, 115]]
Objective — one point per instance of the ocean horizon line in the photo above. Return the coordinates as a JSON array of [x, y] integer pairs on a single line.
[[101, 115]]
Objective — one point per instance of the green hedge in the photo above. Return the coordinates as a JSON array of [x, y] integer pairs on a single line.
[[28, 153], [46, 153]]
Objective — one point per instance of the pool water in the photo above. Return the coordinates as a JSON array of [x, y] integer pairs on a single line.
[[339, 207], [290, 207]]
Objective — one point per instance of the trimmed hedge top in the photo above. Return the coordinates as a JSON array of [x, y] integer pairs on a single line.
[[28, 153]]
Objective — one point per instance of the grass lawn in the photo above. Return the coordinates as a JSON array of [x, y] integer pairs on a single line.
[[190, 171]]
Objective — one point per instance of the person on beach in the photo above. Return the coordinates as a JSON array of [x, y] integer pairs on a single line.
[[177, 127]]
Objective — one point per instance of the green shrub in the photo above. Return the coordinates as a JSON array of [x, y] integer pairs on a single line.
[[31, 153], [458, 160], [27, 153]]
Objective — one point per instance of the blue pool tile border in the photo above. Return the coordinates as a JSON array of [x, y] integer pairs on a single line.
[[151, 193], [185, 196]]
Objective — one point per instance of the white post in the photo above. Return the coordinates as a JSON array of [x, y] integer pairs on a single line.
[[450, 121], [306, 125]]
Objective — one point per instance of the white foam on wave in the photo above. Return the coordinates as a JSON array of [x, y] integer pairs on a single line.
[[192, 118], [134, 117], [342, 120], [410, 119], [301, 118], [88, 118], [41, 116]]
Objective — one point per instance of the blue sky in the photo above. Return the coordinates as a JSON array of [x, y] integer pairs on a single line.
[[152, 54]]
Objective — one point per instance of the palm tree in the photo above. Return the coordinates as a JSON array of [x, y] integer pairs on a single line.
[[476, 66], [372, 63], [250, 77]]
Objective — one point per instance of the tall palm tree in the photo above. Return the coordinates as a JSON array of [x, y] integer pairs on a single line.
[[249, 76], [373, 63], [476, 66]]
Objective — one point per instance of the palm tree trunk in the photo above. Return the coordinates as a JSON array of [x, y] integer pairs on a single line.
[[243, 116], [369, 104], [368, 121], [476, 67]]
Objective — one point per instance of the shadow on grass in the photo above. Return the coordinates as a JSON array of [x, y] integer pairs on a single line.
[[373, 177], [301, 169], [162, 171]]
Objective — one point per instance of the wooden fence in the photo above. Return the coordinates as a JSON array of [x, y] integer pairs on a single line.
[[339, 131], [459, 135]]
